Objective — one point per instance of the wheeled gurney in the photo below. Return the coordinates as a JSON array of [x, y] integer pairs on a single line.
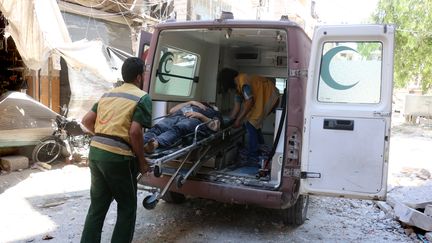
[[199, 142]]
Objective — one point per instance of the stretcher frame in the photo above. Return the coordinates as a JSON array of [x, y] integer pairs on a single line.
[[150, 201]]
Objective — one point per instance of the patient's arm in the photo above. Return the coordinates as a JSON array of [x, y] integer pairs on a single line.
[[192, 102], [214, 125]]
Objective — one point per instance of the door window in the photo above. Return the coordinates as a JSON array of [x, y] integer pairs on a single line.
[[350, 72], [176, 72]]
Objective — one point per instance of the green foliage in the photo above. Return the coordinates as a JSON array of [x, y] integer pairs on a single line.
[[413, 47], [368, 49]]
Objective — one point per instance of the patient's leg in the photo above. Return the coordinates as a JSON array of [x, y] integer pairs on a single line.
[[183, 127], [162, 126]]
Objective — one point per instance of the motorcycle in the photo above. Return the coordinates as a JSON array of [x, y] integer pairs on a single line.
[[68, 139]]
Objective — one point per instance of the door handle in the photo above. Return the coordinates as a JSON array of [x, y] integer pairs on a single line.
[[338, 124]]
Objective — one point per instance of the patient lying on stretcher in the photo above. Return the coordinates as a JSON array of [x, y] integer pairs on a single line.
[[181, 121]]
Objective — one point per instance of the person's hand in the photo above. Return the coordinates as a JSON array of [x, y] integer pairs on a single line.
[[144, 168], [193, 114]]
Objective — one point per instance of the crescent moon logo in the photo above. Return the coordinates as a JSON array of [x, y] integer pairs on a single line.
[[106, 118], [165, 66], [325, 68]]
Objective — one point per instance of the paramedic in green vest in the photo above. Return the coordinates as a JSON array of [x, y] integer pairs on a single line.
[[116, 153], [255, 99]]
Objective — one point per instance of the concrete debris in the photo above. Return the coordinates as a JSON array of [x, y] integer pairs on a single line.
[[47, 237], [424, 174], [41, 166], [385, 207], [428, 236], [428, 210], [413, 196], [52, 204], [409, 231], [417, 172], [413, 217], [44, 165]]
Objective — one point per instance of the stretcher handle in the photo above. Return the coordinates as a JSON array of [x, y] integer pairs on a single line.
[[197, 127]]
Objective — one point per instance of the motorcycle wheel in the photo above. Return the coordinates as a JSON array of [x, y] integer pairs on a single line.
[[47, 151]]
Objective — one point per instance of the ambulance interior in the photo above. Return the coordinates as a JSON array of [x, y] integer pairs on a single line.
[[186, 65]]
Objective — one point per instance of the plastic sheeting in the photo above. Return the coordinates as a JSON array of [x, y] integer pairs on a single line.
[[36, 27], [38, 30]]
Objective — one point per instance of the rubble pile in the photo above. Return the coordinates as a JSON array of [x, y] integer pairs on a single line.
[[410, 202]]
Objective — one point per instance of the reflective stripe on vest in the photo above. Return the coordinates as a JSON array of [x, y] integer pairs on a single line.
[[111, 145], [122, 95]]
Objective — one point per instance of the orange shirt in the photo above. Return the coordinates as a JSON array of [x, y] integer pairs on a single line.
[[264, 95]]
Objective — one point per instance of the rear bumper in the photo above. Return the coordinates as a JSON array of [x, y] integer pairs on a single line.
[[225, 193]]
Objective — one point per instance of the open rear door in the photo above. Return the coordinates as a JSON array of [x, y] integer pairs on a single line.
[[144, 44], [348, 111]]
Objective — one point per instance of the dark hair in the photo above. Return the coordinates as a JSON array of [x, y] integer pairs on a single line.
[[226, 78], [132, 67]]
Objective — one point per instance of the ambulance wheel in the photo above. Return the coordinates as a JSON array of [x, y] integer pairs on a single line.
[[178, 181], [296, 214], [150, 202], [174, 197], [157, 171]]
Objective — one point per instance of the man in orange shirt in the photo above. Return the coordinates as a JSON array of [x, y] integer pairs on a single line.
[[256, 97]]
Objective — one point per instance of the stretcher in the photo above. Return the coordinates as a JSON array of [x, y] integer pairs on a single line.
[[204, 143]]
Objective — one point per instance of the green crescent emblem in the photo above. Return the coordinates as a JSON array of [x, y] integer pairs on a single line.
[[325, 68]]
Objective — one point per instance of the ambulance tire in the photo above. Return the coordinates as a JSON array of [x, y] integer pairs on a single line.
[[296, 215], [174, 197]]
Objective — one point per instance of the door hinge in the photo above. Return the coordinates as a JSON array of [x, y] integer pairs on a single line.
[[298, 73], [305, 175], [297, 173], [292, 172]]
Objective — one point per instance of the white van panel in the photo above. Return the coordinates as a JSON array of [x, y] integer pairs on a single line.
[[347, 113], [349, 160]]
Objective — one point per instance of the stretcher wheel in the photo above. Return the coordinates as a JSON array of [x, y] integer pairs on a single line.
[[179, 180], [150, 201], [157, 171]]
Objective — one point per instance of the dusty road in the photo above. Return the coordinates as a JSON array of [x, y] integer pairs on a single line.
[[38, 205]]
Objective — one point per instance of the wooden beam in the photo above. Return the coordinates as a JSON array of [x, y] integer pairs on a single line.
[[44, 86], [55, 93]]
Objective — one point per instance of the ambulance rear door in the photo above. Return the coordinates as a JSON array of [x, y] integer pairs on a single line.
[[348, 109]]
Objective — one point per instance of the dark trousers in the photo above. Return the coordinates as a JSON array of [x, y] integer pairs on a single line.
[[112, 180]]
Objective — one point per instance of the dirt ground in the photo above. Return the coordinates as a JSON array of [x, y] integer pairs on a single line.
[[36, 206]]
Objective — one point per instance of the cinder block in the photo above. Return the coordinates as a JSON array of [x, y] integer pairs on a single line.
[[14, 162]]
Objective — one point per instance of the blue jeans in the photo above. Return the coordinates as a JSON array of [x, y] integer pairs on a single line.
[[171, 129], [255, 138]]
